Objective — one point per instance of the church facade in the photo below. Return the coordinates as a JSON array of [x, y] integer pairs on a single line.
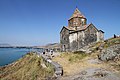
[[78, 33]]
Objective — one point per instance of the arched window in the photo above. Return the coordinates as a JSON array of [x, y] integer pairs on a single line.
[[82, 21]]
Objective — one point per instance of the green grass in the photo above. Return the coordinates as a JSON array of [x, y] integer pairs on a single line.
[[27, 68]]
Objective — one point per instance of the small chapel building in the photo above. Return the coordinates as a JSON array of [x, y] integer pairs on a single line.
[[78, 33]]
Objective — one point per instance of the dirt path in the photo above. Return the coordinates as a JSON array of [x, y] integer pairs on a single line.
[[89, 68], [93, 74]]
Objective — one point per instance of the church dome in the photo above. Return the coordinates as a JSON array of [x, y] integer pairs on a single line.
[[77, 13]]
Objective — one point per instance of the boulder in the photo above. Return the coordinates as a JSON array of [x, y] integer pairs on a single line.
[[111, 53]]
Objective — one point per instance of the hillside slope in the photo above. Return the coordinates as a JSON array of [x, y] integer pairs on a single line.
[[27, 68]]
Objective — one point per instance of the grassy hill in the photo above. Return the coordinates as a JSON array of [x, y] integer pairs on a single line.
[[27, 68]]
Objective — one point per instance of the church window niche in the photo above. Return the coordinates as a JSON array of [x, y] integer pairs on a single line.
[[82, 21], [75, 25]]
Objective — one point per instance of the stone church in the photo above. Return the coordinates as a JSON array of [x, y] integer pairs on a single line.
[[78, 33]]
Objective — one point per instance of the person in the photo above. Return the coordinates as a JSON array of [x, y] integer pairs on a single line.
[[44, 52], [51, 51], [115, 36]]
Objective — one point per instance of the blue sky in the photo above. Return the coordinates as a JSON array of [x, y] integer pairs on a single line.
[[38, 22]]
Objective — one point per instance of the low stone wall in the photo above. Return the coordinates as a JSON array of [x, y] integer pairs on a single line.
[[111, 53], [58, 69]]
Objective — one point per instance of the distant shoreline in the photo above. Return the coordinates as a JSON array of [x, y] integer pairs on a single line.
[[22, 47]]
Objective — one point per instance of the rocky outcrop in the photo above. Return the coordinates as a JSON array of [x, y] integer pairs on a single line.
[[89, 48], [111, 53]]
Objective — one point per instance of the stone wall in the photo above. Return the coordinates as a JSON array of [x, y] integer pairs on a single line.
[[90, 35], [73, 41], [76, 40], [58, 69], [77, 22], [81, 36], [64, 40], [101, 36], [80, 39]]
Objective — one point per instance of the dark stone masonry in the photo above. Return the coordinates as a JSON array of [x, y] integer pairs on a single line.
[[78, 33]]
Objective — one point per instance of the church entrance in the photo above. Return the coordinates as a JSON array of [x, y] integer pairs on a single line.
[[64, 48]]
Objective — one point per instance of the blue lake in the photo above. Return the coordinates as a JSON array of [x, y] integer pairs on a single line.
[[9, 55]]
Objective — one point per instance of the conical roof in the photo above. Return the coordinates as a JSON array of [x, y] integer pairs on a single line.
[[77, 13]]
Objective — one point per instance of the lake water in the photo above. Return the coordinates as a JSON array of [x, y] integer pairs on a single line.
[[9, 55]]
